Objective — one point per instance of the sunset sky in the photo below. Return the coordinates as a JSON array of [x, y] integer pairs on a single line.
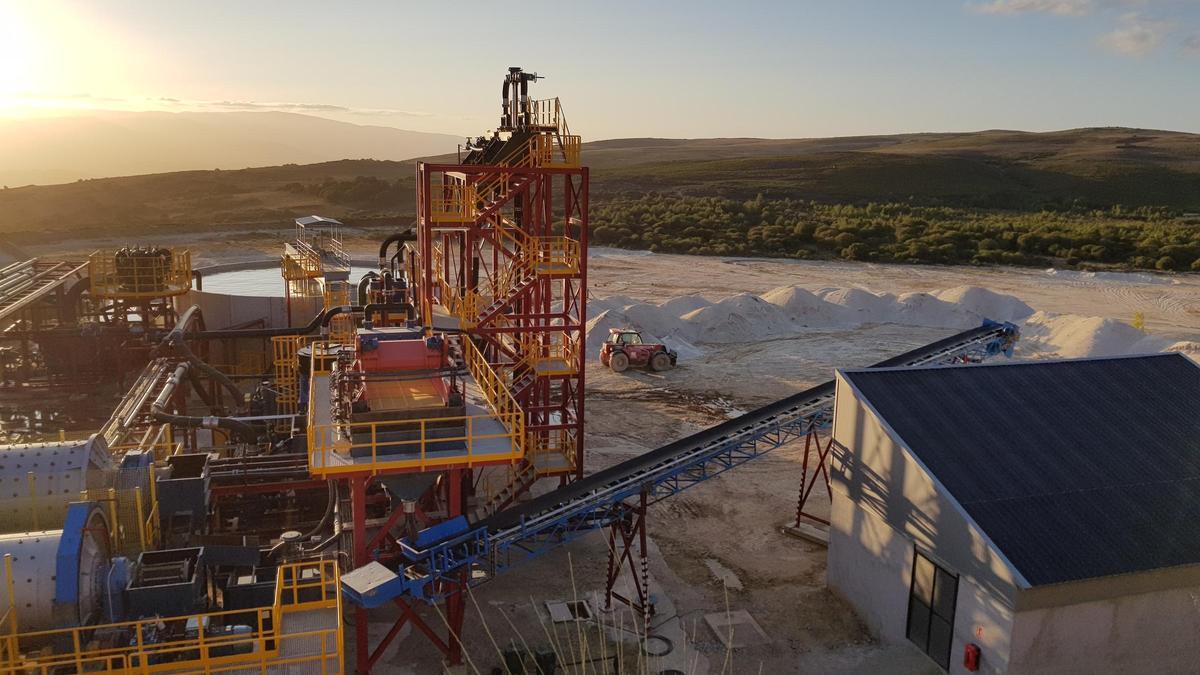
[[677, 69]]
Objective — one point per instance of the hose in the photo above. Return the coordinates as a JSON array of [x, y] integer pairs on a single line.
[[158, 412], [176, 339], [333, 495]]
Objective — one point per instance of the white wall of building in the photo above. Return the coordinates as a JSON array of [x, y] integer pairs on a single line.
[[1156, 632]]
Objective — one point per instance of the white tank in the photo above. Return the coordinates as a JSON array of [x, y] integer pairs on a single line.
[[58, 575], [61, 471]]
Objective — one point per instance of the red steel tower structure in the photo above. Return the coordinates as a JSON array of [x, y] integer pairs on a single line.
[[502, 256]]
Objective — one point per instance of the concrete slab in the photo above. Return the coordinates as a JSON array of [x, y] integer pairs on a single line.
[[814, 533], [736, 629]]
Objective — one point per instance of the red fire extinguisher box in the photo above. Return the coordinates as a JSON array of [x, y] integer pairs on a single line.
[[971, 657]]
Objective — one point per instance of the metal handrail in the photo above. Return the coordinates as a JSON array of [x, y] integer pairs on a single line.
[[328, 439], [196, 654], [141, 276]]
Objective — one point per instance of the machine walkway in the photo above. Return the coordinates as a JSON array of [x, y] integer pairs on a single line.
[[454, 550]]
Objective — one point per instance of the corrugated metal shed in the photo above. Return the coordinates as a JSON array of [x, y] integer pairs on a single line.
[[1074, 469]]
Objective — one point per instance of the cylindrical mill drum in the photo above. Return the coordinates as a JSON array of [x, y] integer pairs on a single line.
[[39, 480], [58, 575]]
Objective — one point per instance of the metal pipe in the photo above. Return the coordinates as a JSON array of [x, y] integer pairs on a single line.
[[363, 284], [158, 410], [408, 235], [320, 320]]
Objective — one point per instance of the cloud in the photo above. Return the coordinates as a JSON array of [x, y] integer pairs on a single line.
[[301, 107], [1056, 7], [1191, 44], [87, 100], [1136, 36]]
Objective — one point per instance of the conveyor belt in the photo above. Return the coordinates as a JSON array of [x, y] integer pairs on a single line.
[[489, 547], [641, 464], [24, 283]]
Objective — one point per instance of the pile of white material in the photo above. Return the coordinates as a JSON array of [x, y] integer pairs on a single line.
[[744, 317], [804, 308], [984, 302], [1072, 336], [685, 321]]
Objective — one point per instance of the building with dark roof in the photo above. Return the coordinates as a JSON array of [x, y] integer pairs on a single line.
[[1032, 517]]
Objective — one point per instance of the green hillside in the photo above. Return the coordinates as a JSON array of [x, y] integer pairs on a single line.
[[1140, 186]]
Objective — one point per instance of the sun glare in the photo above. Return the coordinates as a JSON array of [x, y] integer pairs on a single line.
[[18, 51]]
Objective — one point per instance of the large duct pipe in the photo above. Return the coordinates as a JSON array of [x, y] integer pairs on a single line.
[[505, 116], [69, 307], [319, 320], [363, 284], [158, 411], [407, 235]]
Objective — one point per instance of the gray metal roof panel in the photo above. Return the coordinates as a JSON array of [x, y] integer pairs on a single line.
[[1074, 469]]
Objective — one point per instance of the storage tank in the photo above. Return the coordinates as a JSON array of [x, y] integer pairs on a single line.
[[39, 480], [58, 575]]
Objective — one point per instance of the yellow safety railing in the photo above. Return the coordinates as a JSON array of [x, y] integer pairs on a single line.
[[546, 112], [556, 255], [341, 326], [8, 621], [452, 203], [156, 273], [558, 443], [416, 448], [284, 349], [559, 356], [300, 262], [500, 400], [562, 152], [269, 645], [406, 445], [465, 306]]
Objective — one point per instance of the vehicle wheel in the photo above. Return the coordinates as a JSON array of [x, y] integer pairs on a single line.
[[619, 362], [660, 362]]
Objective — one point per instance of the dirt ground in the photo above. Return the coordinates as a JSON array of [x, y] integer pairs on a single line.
[[725, 532]]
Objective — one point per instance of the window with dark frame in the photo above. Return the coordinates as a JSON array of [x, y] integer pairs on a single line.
[[931, 600]]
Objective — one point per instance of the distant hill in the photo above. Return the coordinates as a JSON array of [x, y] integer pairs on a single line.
[[1008, 170], [103, 143]]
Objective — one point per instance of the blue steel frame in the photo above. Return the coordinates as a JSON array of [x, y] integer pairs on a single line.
[[433, 573]]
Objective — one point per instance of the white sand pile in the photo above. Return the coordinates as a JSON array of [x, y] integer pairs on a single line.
[[678, 306], [744, 317], [682, 323], [923, 309], [597, 330], [986, 303], [1072, 336], [865, 306], [652, 319], [806, 309], [595, 306], [1188, 349]]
